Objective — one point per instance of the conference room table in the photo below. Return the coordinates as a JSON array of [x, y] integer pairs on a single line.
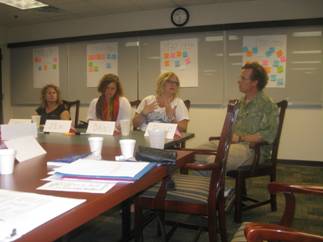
[[28, 176]]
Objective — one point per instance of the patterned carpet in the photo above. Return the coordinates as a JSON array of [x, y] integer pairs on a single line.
[[309, 214]]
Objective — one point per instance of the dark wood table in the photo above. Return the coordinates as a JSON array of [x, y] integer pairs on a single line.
[[27, 177]]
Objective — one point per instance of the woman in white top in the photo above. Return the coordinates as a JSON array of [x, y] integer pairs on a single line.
[[111, 105], [163, 107]]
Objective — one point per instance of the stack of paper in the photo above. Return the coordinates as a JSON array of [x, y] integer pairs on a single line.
[[105, 170]]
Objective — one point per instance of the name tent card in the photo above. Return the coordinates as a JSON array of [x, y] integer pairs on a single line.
[[101, 127], [170, 129], [13, 131], [19, 121], [57, 126], [26, 148]]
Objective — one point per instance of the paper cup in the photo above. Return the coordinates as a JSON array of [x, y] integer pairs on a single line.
[[96, 146], [125, 127], [127, 147], [36, 119], [157, 138], [7, 161]]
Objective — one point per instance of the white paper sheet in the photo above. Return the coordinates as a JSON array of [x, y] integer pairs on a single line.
[[26, 148], [17, 209], [170, 128], [57, 126], [100, 127], [13, 131], [77, 186]]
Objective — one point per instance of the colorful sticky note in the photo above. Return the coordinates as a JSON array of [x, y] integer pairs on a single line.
[[268, 53], [173, 55], [272, 49], [178, 53], [96, 69], [268, 69], [55, 60], [108, 65], [187, 60], [276, 63], [177, 63], [166, 55], [185, 53], [54, 66], [166, 63], [249, 53], [283, 59], [279, 53], [39, 68], [45, 67], [255, 50], [265, 62], [280, 69], [245, 49], [90, 63], [273, 77]]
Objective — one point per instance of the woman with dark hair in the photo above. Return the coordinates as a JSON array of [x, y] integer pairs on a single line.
[[111, 105], [51, 106]]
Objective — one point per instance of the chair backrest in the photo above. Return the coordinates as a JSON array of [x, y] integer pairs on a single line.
[[218, 175], [282, 105], [187, 103], [68, 105], [135, 103]]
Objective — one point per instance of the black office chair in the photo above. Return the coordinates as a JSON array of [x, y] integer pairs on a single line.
[[68, 105]]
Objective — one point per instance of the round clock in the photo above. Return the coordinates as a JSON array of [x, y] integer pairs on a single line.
[[180, 16]]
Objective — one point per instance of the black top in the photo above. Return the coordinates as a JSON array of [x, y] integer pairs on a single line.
[[55, 114]]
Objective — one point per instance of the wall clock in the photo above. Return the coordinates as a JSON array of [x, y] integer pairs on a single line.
[[180, 16]]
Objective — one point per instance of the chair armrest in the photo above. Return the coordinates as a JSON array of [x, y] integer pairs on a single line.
[[200, 166], [290, 200], [275, 187], [200, 151], [214, 138], [256, 232]]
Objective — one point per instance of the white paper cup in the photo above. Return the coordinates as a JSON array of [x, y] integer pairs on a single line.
[[7, 161], [125, 127], [127, 147], [35, 119], [96, 146], [157, 138]]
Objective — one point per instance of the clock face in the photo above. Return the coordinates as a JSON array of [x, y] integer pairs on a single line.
[[180, 16]]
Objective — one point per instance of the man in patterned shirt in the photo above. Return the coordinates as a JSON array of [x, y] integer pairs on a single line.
[[257, 118]]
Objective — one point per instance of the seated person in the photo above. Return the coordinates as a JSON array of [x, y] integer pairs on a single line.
[[256, 121], [164, 106], [52, 106], [111, 105]]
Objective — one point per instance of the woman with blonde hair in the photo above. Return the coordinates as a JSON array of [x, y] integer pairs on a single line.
[[51, 106], [111, 105], [165, 106]]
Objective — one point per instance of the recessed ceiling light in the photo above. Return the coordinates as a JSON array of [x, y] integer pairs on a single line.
[[24, 4]]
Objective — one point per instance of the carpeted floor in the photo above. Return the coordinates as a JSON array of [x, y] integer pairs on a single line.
[[309, 214]]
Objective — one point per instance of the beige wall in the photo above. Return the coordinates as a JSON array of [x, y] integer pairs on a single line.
[[302, 136]]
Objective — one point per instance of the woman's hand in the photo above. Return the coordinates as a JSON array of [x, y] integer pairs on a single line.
[[149, 108]]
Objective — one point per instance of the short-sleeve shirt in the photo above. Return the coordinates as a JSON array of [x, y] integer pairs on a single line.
[[55, 114], [159, 114], [125, 111], [260, 115]]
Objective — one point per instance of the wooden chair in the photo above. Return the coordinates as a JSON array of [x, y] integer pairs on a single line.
[[68, 105], [267, 168], [256, 232], [187, 103], [194, 195], [135, 103]]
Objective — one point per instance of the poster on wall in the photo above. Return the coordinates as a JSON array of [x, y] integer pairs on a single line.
[[45, 66], [270, 52], [180, 56], [102, 58]]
